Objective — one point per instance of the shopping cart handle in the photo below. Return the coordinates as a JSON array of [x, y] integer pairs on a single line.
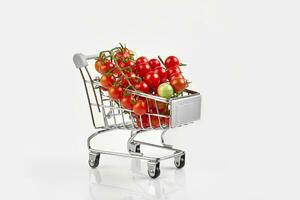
[[80, 60]]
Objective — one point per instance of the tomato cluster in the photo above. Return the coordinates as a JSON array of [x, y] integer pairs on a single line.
[[121, 72]]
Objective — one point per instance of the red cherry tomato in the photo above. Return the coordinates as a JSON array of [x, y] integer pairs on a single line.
[[162, 107], [126, 102], [162, 73], [121, 63], [152, 79], [142, 86], [107, 81], [123, 82], [115, 92], [98, 65], [173, 70], [133, 78], [118, 55], [178, 84], [155, 121], [129, 65], [154, 63], [165, 121], [103, 68], [175, 75], [143, 69], [157, 107], [116, 72], [171, 61], [140, 107], [141, 60], [142, 121], [123, 54]]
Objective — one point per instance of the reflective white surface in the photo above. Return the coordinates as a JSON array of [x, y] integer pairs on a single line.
[[135, 184]]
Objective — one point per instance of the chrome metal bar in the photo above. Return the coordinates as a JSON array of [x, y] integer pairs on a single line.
[[158, 146], [162, 139], [122, 115], [148, 110], [113, 112], [172, 156], [124, 155], [103, 109], [88, 97], [124, 109], [130, 140], [96, 99], [157, 110]]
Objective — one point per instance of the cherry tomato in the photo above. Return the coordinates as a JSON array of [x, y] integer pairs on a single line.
[[118, 55], [162, 73], [107, 81], [103, 68], [162, 107], [129, 65], [173, 70], [175, 75], [142, 121], [178, 84], [124, 54], [115, 92], [121, 63], [116, 72], [154, 63], [123, 82], [134, 79], [126, 101], [165, 121], [143, 69], [165, 90], [155, 121], [140, 107], [142, 86], [141, 60], [155, 106], [98, 65], [171, 61], [152, 79]]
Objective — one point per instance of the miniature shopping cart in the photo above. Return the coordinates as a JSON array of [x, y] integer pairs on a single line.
[[107, 115]]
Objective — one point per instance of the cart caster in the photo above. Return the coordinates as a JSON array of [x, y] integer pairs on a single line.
[[153, 169], [138, 148], [134, 148], [179, 161], [94, 159]]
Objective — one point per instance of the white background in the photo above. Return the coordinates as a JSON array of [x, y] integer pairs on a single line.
[[243, 57]]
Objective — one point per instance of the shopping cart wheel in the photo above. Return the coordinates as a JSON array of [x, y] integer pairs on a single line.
[[153, 169], [94, 159], [179, 161], [138, 148]]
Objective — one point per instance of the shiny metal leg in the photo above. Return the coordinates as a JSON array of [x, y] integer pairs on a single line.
[[163, 141], [134, 147]]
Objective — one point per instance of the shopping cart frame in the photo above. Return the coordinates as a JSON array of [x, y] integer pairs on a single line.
[[181, 105]]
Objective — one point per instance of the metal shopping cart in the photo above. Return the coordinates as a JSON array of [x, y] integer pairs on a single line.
[[107, 115]]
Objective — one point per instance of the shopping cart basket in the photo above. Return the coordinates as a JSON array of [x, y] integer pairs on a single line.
[[108, 115]]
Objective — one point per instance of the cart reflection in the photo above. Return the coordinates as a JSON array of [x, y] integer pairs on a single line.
[[135, 184]]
